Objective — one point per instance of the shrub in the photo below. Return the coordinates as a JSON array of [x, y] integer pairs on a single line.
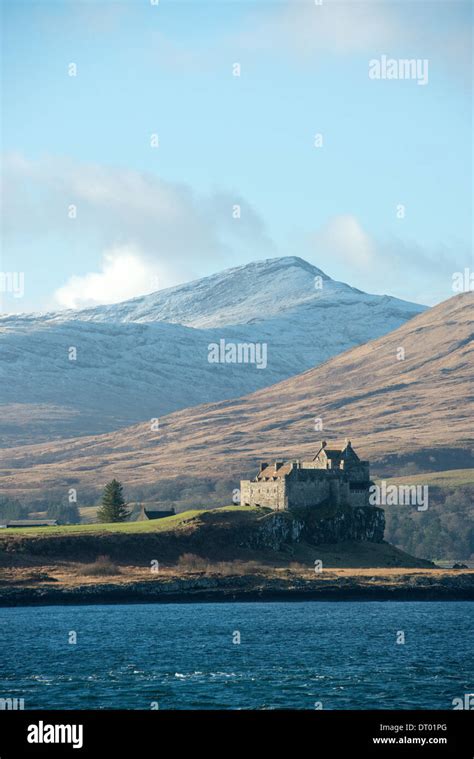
[[190, 562], [103, 566]]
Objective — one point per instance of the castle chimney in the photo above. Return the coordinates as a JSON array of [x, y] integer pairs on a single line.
[[321, 444]]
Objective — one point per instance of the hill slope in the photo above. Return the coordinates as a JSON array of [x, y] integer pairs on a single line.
[[416, 408], [147, 357]]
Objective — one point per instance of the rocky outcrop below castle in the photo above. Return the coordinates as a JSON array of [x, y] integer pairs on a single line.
[[317, 526], [220, 534]]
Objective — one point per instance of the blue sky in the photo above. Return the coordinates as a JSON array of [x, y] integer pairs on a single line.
[[149, 217]]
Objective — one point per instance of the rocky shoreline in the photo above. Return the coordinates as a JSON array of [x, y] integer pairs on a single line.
[[244, 588]]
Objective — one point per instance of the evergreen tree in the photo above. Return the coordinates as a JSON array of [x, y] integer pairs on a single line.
[[113, 507]]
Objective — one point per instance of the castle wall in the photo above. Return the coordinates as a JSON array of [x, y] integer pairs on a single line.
[[359, 498], [270, 493], [358, 472], [307, 491], [302, 487], [340, 493], [306, 485]]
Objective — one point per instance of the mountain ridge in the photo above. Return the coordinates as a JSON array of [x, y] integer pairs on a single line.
[[419, 406], [298, 279], [131, 365]]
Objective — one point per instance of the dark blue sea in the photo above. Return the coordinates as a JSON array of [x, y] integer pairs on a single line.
[[303, 655]]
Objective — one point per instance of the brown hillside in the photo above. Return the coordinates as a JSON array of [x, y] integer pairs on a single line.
[[420, 407]]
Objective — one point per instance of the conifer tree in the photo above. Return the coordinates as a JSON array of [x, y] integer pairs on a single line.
[[113, 507]]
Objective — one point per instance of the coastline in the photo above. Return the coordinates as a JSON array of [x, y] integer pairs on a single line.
[[249, 588]]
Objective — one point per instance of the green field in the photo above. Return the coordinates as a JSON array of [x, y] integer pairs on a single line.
[[402, 535], [152, 525]]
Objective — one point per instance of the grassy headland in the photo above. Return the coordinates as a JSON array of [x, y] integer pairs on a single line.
[[206, 555]]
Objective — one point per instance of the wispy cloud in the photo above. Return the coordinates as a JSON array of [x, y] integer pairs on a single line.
[[343, 248], [136, 233], [144, 232], [347, 242], [306, 28]]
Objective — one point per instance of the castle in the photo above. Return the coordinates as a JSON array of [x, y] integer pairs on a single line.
[[334, 475]]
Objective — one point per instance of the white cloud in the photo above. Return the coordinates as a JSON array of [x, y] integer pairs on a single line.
[[135, 233], [348, 252], [440, 31], [131, 228], [347, 242], [124, 274]]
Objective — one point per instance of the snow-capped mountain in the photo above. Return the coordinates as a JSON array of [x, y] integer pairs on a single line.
[[417, 411], [241, 295], [82, 372]]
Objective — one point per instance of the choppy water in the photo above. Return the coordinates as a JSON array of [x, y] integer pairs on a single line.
[[291, 655]]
